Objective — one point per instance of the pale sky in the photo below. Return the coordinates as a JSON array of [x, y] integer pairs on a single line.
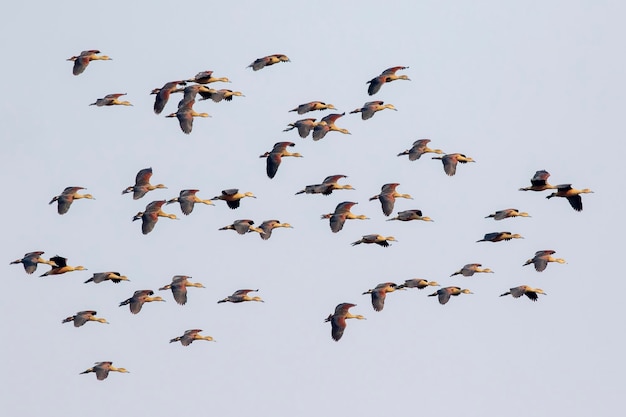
[[518, 86]]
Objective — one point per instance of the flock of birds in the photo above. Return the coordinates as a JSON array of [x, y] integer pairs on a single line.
[[187, 199]]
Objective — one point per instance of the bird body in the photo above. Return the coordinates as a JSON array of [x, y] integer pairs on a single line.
[[327, 124], [387, 197], [445, 293], [541, 259], [529, 292], [304, 126], [81, 61], [185, 115], [163, 94], [338, 319], [187, 199], [83, 317], [189, 336], [206, 77], [61, 267], [179, 286], [507, 213], [572, 195], [500, 236], [418, 283], [341, 214], [419, 148], [111, 100], [539, 182], [312, 106], [242, 227], [142, 184], [327, 186], [233, 197], [102, 370], [190, 93], [151, 215], [219, 95], [266, 61], [67, 197], [379, 293], [470, 269], [274, 157], [408, 215], [139, 298], [99, 277], [386, 76], [371, 107], [377, 239], [268, 225], [30, 261], [451, 160], [240, 296]]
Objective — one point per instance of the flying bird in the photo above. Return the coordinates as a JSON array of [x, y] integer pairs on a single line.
[[418, 283], [529, 292], [507, 213], [142, 184], [240, 296], [387, 197], [206, 77], [500, 236], [83, 317], [151, 215], [187, 199], [327, 124], [541, 259], [377, 239], [338, 319], [312, 106], [67, 197], [99, 277], [179, 286], [444, 294], [233, 197], [163, 94], [61, 267], [327, 186], [102, 370], [81, 61], [189, 336], [139, 298], [268, 225], [266, 61], [572, 195], [242, 227], [408, 215], [185, 115], [450, 162], [371, 107], [304, 126], [275, 156], [379, 293], [470, 269], [539, 182], [341, 214], [386, 76], [419, 148], [30, 261]]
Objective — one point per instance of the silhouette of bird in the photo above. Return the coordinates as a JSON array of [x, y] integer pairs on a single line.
[[539, 182], [163, 94], [61, 267], [420, 147], [312, 106], [266, 61], [572, 195], [151, 215], [529, 292], [371, 107], [206, 77], [327, 124], [268, 225], [111, 100], [507, 213], [240, 296], [377, 239], [408, 215], [233, 197], [99, 277], [499, 236], [67, 197], [242, 227], [187, 199], [274, 157], [418, 283], [189, 336], [83, 317], [444, 293], [387, 197], [379, 293], [138, 299], [30, 261], [142, 184], [102, 370], [327, 186], [185, 115], [219, 95], [338, 319], [470, 269], [304, 126], [341, 214], [179, 286], [386, 76], [450, 162], [541, 259], [81, 61]]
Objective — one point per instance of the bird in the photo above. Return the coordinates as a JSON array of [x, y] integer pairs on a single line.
[[142, 184], [190, 93], [507, 213], [341, 214], [99, 277], [419, 148], [418, 283], [529, 292], [187, 199], [111, 100], [219, 95], [377, 239], [189, 336], [81, 61], [539, 182], [61, 267], [379, 293], [541, 259], [304, 126], [151, 215], [31, 259], [371, 107], [240, 296], [67, 197], [470, 269], [138, 299], [408, 215], [444, 293], [102, 370], [233, 197], [572, 195], [327, 124], [274, 157], [206, 77], [163, 94], [387, 197], [450, 161], [266, 61], [338, 319], [185, 115], [268, 225], [386, 76], [179, 286], [312, 106], [327, 186], [83, 317], [242, 227], [500, 236]]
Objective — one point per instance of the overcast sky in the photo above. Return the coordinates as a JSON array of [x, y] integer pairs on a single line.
[[518, 86]]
